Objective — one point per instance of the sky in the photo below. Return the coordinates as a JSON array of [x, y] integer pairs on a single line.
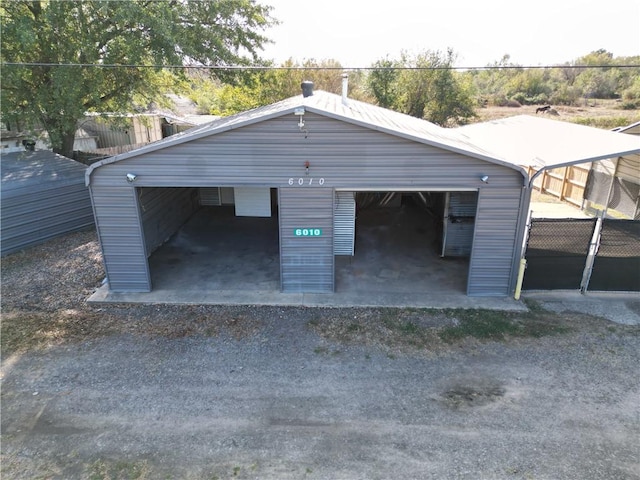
[[540, 32]]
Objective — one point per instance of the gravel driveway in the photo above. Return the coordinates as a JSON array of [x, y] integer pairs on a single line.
[[275, 393]]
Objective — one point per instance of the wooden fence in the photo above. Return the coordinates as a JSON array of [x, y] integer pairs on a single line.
[[566, 183]]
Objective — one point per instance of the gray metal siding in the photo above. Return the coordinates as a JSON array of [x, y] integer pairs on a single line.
[[121, 238], [459, 223], [163, 211], [495, 242], [43, 196], [210, 196], [40, 216], [306, 263], [344, 222], [344, 155], [341, 155]]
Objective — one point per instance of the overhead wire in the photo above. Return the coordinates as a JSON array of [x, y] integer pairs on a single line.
[[298, 67]]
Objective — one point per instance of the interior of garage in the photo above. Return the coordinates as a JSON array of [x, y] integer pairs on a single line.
[[225, 244], [398, 248], [399, 245]]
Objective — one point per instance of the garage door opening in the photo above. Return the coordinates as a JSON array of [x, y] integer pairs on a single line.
[[405, 242], [228, 240]]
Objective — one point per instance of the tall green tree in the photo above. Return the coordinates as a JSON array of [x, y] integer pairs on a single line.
[[271, 85], [424, 86], [383, 82], [85, 55]]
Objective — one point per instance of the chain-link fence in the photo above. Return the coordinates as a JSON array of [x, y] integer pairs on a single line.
[[616, 266], [556, 253], [561, 255]]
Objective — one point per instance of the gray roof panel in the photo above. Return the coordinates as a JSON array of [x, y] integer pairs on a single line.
[[41, 167]]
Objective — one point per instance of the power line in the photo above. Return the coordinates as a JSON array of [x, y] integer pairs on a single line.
[[271, 67]]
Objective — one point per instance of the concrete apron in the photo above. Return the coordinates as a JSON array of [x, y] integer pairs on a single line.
[[218, 258]]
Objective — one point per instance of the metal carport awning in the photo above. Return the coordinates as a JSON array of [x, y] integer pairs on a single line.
[[546, 144]]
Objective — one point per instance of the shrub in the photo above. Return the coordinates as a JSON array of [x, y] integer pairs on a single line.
[[630, 104]]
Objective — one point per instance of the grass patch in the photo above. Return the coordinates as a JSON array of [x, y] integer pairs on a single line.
[[326, 351], [23, 330], [28, 330], [481, 324], [606, 122], [430, 330], [499, 325], [118, 470]]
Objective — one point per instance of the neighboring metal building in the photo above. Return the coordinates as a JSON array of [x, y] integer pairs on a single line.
[[317, 152], [614, 184], [43, 196]]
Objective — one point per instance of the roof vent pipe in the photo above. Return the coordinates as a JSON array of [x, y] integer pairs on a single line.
[[307, 88], [345, 89]]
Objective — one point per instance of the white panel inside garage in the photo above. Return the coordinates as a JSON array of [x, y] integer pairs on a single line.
[[252, 201]]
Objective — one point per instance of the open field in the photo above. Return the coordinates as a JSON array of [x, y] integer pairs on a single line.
[[597, 113]]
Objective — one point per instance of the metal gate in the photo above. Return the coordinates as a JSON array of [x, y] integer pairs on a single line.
[[616, 266], [557, 253]]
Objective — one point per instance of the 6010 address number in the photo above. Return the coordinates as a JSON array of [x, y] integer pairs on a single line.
[[306, 181]]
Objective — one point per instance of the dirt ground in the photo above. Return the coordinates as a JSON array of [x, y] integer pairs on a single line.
[[206, 392], [599, 113]]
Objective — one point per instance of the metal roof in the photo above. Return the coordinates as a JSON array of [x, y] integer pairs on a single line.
[[40, 167], [544, 143], [513, 142], [633, 129], [331, 105]]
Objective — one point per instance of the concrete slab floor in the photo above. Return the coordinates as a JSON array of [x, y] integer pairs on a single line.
[[218, 258]]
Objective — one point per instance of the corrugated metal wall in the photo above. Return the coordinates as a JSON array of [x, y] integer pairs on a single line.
[[494, 242], [43, 196], [210, 196], [37, 216], [459, 223], [163, 211], [344, 223], [121, 237], [274, 153], [306, 240]]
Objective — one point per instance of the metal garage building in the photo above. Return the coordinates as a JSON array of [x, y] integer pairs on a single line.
[[306, 158], [43, 196]]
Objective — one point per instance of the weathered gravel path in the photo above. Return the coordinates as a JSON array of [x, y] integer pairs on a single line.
[[284, 403]]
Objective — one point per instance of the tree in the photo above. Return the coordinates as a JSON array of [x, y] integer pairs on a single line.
[[86, 55], [383, 83], [263, 87], [424, 86]]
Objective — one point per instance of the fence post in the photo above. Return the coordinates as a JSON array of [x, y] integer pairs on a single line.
[[563, 188], [593, 251]]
